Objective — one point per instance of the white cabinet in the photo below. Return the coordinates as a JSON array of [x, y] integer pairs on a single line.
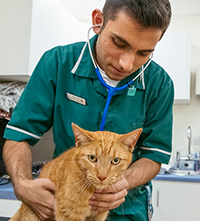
[[173, 54], [176, 201], [8, 207], [28, 29]]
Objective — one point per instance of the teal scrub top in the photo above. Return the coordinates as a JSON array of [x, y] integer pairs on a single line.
[[64, 88]]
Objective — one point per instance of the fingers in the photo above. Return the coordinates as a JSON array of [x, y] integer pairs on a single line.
[[121, 184], [110, 197], [46, 184], [45, 209], [105, 206], [45, 213], [40, 197], [44, 206], [107, 201]]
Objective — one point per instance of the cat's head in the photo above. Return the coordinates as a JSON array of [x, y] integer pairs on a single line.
[[104, 156]]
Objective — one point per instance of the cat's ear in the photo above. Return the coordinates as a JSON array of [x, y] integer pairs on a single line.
[[81, 136], [130, 139]]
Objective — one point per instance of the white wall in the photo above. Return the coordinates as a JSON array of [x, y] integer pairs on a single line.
[[188, 115]]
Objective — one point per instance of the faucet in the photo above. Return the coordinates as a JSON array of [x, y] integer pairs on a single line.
[[189, 157], [189, 136], [177, 160]]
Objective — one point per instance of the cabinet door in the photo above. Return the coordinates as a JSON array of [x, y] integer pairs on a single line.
[[176, 201], [8, 207], [173, 54]]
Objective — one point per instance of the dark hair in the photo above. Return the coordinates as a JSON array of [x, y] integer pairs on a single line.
[[147, 13]]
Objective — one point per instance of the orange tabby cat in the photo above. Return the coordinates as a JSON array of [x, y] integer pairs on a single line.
[[98, 160]]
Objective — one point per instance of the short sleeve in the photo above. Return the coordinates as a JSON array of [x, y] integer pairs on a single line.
[[156, 140], [33, 114]]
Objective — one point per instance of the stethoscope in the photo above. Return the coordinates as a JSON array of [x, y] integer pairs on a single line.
[[111, 90]]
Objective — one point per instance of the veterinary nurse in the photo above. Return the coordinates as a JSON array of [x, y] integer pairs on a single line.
[[64, 88]]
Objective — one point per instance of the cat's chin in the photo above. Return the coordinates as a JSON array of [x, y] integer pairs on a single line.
[[100, 186]]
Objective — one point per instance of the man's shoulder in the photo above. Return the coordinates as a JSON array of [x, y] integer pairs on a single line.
[[73, 48], [156, 77], [157, 71]]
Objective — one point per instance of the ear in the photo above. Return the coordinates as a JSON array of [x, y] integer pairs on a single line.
[[131, 138], [97, 18], [81, 135]]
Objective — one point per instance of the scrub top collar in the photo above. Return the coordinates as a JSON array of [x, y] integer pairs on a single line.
[[85, 68]]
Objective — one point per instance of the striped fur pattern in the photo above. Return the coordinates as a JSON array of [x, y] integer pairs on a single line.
[[98, 160]]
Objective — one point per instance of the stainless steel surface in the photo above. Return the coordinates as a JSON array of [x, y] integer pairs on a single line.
[[184, 172], [188, 163], [189, 135], [158, 197], [177, 159]]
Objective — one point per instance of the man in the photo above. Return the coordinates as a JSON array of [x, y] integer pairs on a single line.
[[64, 88]]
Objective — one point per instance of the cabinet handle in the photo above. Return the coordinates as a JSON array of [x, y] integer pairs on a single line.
[[158, 197]]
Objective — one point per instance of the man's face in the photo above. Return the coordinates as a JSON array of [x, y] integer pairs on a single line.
[[123, 46]]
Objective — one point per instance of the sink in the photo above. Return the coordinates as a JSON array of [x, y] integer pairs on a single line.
[[184, 172]]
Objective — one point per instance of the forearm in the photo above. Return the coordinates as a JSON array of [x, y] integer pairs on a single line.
[[141, 172], [18, 160], [37, 193]]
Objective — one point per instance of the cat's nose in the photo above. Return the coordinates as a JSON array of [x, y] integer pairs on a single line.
[[102, 178]]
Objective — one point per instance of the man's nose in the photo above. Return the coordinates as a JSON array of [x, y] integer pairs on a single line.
[[126, 61]]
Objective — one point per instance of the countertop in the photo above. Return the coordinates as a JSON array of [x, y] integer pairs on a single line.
[[177, 178], [6, 191]]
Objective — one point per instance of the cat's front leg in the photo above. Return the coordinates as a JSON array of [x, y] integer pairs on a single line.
[[98, 216], [62, 217], [70, 213]]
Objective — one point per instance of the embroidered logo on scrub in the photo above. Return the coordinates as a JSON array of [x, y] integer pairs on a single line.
[[75, 98], [131, 90]]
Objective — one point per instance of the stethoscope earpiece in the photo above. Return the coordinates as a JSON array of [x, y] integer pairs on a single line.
[[97, 25]]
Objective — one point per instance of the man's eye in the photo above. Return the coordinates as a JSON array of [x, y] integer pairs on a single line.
[[144, 54], [118, 43]]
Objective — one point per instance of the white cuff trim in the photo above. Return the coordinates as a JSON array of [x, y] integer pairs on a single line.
[[23, 131], [155, 149]]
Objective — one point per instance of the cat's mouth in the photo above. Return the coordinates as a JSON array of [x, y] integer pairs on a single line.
[[101, 184]]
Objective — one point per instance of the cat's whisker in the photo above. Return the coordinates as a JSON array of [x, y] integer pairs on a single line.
[[73, 185], [77, 172], [134, 198], [84, 186], [132, 208], [129, 193], [77, 192], [121, 205], [119, 184]]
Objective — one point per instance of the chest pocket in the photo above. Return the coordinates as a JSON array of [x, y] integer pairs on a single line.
[[125, 114]]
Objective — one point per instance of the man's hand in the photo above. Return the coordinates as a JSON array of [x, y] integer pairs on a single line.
[[39, 195], [110, 197], [137, 174]]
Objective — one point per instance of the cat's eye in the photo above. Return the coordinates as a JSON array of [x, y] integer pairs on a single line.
[[92, 158], [116, 161]]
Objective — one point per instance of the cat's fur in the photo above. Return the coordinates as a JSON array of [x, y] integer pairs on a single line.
[[92, 164]]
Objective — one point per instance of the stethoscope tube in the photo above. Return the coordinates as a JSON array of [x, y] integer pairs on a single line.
[[111, 90]]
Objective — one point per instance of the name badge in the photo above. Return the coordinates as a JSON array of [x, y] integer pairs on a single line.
[[75, 98]]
